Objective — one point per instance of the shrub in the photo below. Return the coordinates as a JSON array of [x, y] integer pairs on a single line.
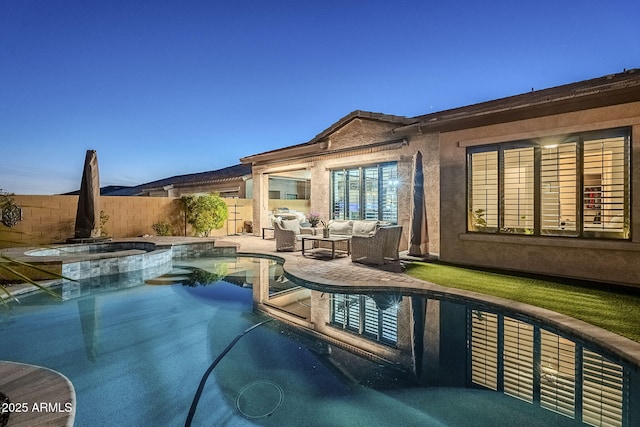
[[205, 213], [162, 228]]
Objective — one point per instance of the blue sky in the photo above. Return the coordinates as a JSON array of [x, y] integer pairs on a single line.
[[163, 88]]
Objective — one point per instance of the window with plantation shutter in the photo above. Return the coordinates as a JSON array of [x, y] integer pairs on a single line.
[[576, 185], [361, 315], [543, 368], [389, 329], [388, 193], [558, 180], [605, 186], [339, 310], [518, 359], [557, 373], [368, 192], [483, 200], [353, 194], [602, 391], [484, 349], [339, 194], [518, 192], [371, 193], [353, 313], [371, 319]]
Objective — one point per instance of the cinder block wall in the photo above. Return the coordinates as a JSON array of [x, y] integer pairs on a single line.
[[51, 219], [45, 219]]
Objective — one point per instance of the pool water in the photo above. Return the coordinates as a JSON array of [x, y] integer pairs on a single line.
[[136, 355]]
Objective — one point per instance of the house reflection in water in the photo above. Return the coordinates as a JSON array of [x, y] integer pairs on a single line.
[[453, 344]]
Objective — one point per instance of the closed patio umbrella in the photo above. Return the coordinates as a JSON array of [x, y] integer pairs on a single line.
[[88, 214], [419, 239]]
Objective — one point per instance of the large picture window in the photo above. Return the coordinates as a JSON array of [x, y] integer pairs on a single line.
[[576, 185], [366, 192]]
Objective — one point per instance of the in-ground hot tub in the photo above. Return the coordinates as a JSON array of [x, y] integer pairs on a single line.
[[82, 261], [150, 257], [92, 248]]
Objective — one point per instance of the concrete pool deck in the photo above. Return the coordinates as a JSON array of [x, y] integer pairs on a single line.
[[340, 274]]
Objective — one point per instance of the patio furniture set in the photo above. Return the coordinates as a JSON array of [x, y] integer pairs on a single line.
[[366, 241]]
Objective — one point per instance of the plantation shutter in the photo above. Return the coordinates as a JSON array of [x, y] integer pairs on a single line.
[[518, 359], [605, 189], [602, 391], [484, 349], [518, 191], [389, 193], [390, 325], [483, 209], [339, 310], [558, 183], [557, 373], [353, 312], [371, 320]]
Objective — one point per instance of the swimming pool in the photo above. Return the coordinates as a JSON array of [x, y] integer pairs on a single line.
[[136, 353]]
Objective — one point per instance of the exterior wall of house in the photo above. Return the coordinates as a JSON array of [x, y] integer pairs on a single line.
[[613, 261], [51, 219], [349, 141]]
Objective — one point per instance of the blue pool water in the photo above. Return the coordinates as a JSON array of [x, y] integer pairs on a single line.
[[136, 355]]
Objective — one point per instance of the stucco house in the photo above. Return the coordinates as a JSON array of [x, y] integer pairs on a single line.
[[540, 182]]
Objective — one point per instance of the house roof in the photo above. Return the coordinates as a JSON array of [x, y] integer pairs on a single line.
[[220, 175], [322, 136], [611, 89]]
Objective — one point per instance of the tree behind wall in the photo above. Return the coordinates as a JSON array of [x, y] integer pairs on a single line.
[[205, 213]]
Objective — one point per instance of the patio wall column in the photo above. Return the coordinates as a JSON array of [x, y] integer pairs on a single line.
[[260, 202], [320, 189]]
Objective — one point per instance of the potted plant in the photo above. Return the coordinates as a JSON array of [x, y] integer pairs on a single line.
[[479, 222], [325, 228], [313, 219]]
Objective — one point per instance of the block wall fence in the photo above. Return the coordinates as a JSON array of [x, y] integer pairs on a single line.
[[51, 219]]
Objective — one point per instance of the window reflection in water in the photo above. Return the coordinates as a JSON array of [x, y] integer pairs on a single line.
[[539, 366]]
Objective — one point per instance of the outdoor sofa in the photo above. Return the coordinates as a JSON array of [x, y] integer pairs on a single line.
[[372, 242], [379, 247]]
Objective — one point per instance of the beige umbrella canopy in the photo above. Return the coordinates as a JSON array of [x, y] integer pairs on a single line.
[[88, 214]]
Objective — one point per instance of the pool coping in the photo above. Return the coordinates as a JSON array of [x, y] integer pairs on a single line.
[[52, 402]]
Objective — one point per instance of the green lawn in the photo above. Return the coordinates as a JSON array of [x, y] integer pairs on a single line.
[[611, 309]]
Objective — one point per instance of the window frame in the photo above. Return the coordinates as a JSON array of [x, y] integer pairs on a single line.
[[346, 199], [582, 229]]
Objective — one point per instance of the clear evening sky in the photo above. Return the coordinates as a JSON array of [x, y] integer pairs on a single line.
[[162, 88]]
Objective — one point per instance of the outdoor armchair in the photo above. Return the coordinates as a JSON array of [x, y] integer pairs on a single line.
[[288, 234], [378, 248]]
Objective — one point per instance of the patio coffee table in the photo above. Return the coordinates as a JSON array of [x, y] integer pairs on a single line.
[[332, 239]]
